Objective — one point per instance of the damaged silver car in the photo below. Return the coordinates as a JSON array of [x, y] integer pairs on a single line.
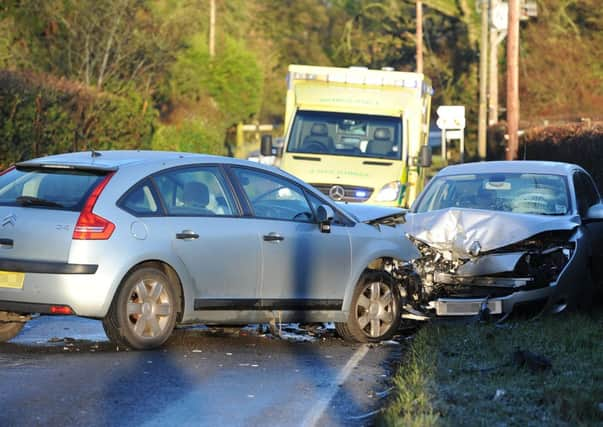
[[498, 235]]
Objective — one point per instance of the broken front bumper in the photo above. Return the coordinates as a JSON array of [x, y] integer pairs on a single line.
[[498, 305], [489, 280]]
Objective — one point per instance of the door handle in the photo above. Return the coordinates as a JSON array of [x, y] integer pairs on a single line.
[[6, 242], [187, 235], [273, 237]]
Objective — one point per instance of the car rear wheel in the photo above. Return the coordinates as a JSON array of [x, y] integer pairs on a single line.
[[9, 330], [144, 310], [375, 310]]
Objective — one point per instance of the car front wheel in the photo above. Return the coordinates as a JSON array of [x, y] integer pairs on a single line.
[[375, 310], [143, 313]]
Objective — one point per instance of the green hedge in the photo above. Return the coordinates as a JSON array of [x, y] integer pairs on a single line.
[[40, 115], [192, 136], [579, 143]]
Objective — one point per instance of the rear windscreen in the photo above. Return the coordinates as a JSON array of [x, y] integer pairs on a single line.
[[47, 188]]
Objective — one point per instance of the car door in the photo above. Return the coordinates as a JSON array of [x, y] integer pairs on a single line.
[[302, 267], [207, 233], [587, 196]]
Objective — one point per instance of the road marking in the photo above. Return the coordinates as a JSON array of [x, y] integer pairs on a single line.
[[318, 409]]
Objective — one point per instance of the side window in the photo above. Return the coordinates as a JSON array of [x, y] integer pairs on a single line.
[[586, 193], [274, 197], [195, 191], [316, 202], [592, 195], [141, 201]]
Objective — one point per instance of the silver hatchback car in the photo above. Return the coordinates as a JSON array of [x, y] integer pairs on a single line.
[[148, 240]]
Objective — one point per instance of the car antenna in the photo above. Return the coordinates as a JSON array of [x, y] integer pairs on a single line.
[[94, 153]]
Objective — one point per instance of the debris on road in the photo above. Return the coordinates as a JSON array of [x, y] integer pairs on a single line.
[[534, 362], [364, 416], [500, 393]]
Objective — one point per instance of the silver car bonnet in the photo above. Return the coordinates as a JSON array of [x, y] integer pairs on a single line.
[[366, 213], [456, 230]]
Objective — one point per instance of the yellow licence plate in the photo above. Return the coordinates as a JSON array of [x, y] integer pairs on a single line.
[[10, 279]]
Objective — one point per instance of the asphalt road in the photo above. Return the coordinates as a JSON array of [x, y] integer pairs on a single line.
[[63, 371]]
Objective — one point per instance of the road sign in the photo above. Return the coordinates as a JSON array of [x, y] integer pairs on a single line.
[[529, 9], [500, 16], [454, 134], [451, 117]]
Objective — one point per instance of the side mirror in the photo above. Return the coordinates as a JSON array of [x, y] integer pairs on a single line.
[[325, 215], [266, 147], [425, 156], [594, 213]]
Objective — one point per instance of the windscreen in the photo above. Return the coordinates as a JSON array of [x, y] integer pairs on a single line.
[[344, 134], [527, 193], [47, 188]]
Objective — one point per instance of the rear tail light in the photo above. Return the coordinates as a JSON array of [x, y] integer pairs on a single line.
[[91, 226], [60, 309]]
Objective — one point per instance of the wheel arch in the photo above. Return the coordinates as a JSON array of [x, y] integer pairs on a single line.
[[376, 263], [169, 271]]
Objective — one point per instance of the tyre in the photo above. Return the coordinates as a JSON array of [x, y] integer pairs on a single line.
[[9, 330], [587, 295], [144, 310], [375, 309]]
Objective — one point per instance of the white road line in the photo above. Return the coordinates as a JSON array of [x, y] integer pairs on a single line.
[[323, 401]]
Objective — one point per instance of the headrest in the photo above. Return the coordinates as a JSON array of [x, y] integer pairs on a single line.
[[196, 192], [382, 133], [319, 129]]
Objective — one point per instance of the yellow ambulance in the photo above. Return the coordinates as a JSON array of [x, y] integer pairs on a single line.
[[358, 135]]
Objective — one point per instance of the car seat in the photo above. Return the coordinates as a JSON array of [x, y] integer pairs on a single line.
[[381, 144], [319, 136], [195, 197]]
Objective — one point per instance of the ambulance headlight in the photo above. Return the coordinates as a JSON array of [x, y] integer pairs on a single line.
[[389, 192]]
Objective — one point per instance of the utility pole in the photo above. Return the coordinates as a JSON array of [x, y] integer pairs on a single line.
[[513, 80], [483, 82], [419, 36], [212, 28], [499, 16], [493, 78]]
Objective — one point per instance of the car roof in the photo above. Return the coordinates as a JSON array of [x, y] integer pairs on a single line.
[[112, 159], [511, 166], [118, 159], [123, 159]]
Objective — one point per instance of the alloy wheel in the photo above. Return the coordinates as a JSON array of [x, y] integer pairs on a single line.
[[375, 308], [149, 308]]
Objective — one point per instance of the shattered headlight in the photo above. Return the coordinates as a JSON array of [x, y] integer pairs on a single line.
[[544, 266], [389, 192]]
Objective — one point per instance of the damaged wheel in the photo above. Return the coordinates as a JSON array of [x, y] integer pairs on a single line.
[[143, 313], [375, 310]]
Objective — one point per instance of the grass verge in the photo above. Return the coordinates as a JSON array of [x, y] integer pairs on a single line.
[[467, 373]]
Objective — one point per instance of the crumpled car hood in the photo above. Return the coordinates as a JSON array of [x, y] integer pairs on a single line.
[[455, 230], [369, 213]]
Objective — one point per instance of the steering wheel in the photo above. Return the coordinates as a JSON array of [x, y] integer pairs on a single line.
[[531, 203], [303, 215], [315, 147]]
